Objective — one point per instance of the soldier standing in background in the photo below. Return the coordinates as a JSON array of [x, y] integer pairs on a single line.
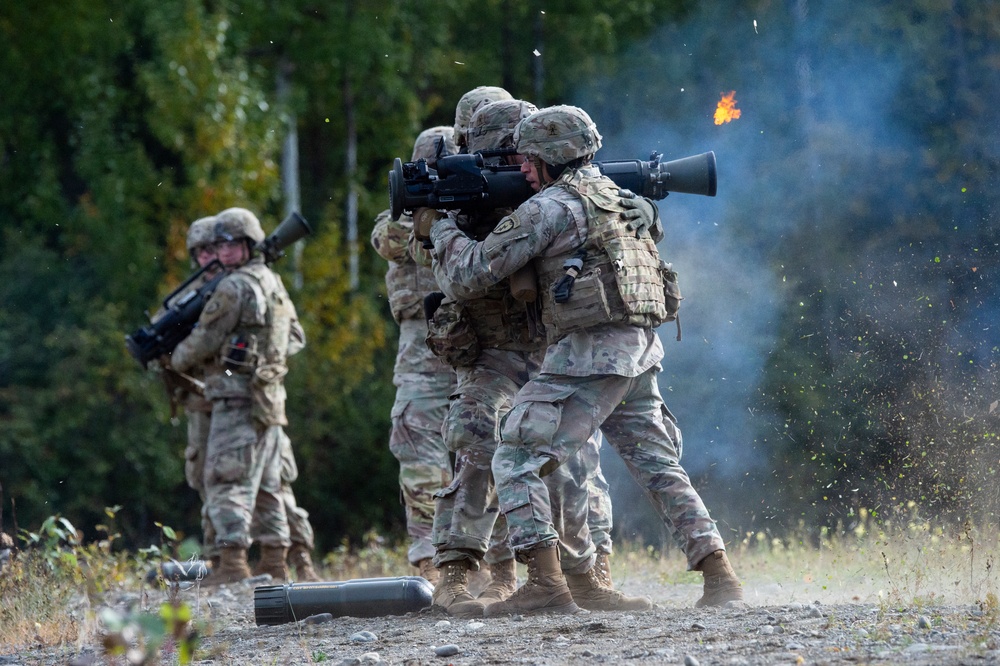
[[198, 412], [242, 338], [423, 382], [197, 408], [602, 288]]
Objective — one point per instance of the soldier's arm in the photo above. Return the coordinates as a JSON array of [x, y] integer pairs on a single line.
[[217, 320], [296, 335], [390, 237], [463, 263]]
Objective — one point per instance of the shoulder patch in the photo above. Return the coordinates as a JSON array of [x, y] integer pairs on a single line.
[[212, 305], [508, 223]]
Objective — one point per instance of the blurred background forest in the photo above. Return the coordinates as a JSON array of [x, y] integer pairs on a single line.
[[841, 322]]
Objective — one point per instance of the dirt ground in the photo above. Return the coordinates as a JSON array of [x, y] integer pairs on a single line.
[[781, 623]]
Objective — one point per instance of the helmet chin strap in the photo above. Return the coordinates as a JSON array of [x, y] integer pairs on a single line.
[[545, 179]]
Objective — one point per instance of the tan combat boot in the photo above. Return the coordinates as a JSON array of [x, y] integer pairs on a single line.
[[232, 567], [602, 567], [479, 579], [301, 560], [721, 583], [272, 561], [428, 571], [503, 582], [589, 592], [453, 586], [545, 590]]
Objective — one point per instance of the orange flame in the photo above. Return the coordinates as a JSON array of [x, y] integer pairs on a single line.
[[726, 111]]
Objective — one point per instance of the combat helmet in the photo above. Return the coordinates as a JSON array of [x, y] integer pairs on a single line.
[[492, 125], [557, 135], [426, 145], [236, 223], [468, 105], [200, 233]]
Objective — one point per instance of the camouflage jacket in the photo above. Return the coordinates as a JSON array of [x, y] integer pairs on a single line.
[[551, 224], [244, 335], [407, 282]]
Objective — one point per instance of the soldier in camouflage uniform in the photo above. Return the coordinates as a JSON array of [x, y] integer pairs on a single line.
[[423, 381], [468, 104], [496, 355], [603, 292], [197, 409], [242, 338]]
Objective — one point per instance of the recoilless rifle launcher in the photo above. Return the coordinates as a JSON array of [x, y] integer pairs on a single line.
[[467, 183], [183, 308]]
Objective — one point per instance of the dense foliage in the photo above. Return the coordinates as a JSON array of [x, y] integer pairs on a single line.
[[853, 242]]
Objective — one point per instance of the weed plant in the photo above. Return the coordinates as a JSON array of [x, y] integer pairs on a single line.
[[57, 591]]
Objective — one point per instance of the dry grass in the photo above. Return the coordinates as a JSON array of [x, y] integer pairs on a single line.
[[49, 597]]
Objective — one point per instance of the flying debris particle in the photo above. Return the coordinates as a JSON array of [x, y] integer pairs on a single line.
[[755, 27], [459, 63], [726, 110], [536, 53]]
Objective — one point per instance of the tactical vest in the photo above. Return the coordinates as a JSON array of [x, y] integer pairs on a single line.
[[495, 320], [500, 321], [407, 283], [622, 277], [252, 361]]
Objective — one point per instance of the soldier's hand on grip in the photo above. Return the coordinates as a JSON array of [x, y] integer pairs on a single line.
[[642, 215], [423, 218]]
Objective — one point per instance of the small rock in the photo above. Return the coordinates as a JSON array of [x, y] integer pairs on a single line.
[[697, 626], [793, 646], [767, 630], [371, 658], [449, 650], [474, 625], [690, 661], [363, 637], [924, 622], [262, 579], [815, 612], [319, 618], [443, 624], [795, 607], [350, 661], [862, 632]]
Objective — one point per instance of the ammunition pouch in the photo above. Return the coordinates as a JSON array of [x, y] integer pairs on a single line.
[[671, 291], [405, 304], [267, 390], [450, 335], [671, 295], [587, 307], [239, 355]]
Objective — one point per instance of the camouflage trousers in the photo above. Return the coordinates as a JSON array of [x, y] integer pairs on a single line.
[[467, 522], [553, 416], [243, 477], [300, 529], [424, 465], [198, 425]]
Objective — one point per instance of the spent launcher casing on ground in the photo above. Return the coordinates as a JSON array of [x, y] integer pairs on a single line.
[[183, 305], [466, 182]]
